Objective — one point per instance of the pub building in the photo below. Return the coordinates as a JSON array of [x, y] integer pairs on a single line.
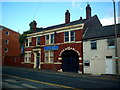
[[59, 47]]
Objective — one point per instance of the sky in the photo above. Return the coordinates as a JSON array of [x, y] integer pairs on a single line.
[[18, 15]]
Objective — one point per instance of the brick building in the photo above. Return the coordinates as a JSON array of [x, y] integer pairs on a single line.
[[9, 47], [59, 47]]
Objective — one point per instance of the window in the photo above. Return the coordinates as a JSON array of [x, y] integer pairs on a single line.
[[49, 56], [66, 36], [108, 57], [47, 39], [38, 41], [27, 57], [111, 43], [28, 42], [86, 62], [7, 33], [72, 36], [93, 44], [69, 36], [50, 39], [6, 41], [6, 49]]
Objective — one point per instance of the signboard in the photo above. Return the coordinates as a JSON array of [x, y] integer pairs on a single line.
[[50, 48]]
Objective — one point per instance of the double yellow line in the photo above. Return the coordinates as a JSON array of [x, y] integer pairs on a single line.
[[41, 82]]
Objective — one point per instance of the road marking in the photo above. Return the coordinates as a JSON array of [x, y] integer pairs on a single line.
[[28, 86], [6, 85], [10, 80], [41, 82]]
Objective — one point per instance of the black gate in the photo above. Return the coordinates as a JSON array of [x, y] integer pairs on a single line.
[[70, 61]]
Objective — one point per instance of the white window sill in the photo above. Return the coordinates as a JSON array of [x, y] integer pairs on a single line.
[[27, 62]]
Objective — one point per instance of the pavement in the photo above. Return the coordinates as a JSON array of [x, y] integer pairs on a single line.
[[107, 77]]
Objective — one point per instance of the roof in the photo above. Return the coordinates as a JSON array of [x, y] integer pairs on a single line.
[[3, 27], [93, 22], [100, 32], [62, 25]]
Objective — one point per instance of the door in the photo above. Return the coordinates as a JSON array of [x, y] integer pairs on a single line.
[[37, 60], [109, 66], [70, 61]]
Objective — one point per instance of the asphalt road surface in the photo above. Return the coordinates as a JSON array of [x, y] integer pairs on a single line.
[[13, 77]]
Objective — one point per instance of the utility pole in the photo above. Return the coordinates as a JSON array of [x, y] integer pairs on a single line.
[[116, 55]]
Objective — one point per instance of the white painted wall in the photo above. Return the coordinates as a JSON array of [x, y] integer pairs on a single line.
[[97, 57]]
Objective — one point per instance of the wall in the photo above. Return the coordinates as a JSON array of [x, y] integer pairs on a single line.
[[12, 57], [59, 40], [97, 57], [13, 45]]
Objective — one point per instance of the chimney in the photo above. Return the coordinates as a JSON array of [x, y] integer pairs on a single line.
[[67, 17], [88, 12], [80, 18], [33, 26]]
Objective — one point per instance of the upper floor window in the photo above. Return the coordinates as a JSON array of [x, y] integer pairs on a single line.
[[7, 33], [69, 36], [28, 42], [93, 44], [38, 41], [50, 39], [111, 43], [6, 41]]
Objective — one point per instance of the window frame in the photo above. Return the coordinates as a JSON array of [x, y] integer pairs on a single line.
[[27, 58], [7, 33], [6, 49], [93, 44], [86, 62], [29, 42], [109, 42], [69, 36], [49, 57], [7, 41], [49, 39], [37, 41]]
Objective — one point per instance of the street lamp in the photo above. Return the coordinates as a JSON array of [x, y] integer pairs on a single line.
[[116, 56]]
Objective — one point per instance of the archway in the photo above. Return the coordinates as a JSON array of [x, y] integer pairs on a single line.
[[70, 61]]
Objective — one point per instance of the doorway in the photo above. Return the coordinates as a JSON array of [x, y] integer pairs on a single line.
[[70, 61], [37, 59], [109, 66]]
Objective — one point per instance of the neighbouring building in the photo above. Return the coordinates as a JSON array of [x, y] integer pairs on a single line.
[[9, 47], [99, 50], [59, 47]]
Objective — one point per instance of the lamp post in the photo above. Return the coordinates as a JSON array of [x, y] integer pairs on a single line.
[[116, 55]]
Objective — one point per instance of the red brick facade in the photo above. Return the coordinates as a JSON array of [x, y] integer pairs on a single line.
[[62, 46], [10, 47]]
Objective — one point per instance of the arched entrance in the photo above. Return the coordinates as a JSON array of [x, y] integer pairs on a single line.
[[70, 61]]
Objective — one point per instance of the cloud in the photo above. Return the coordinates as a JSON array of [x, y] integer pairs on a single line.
[[76, 4], [109, 21]]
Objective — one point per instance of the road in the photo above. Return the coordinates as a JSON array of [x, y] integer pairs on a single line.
[[24, 78]]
